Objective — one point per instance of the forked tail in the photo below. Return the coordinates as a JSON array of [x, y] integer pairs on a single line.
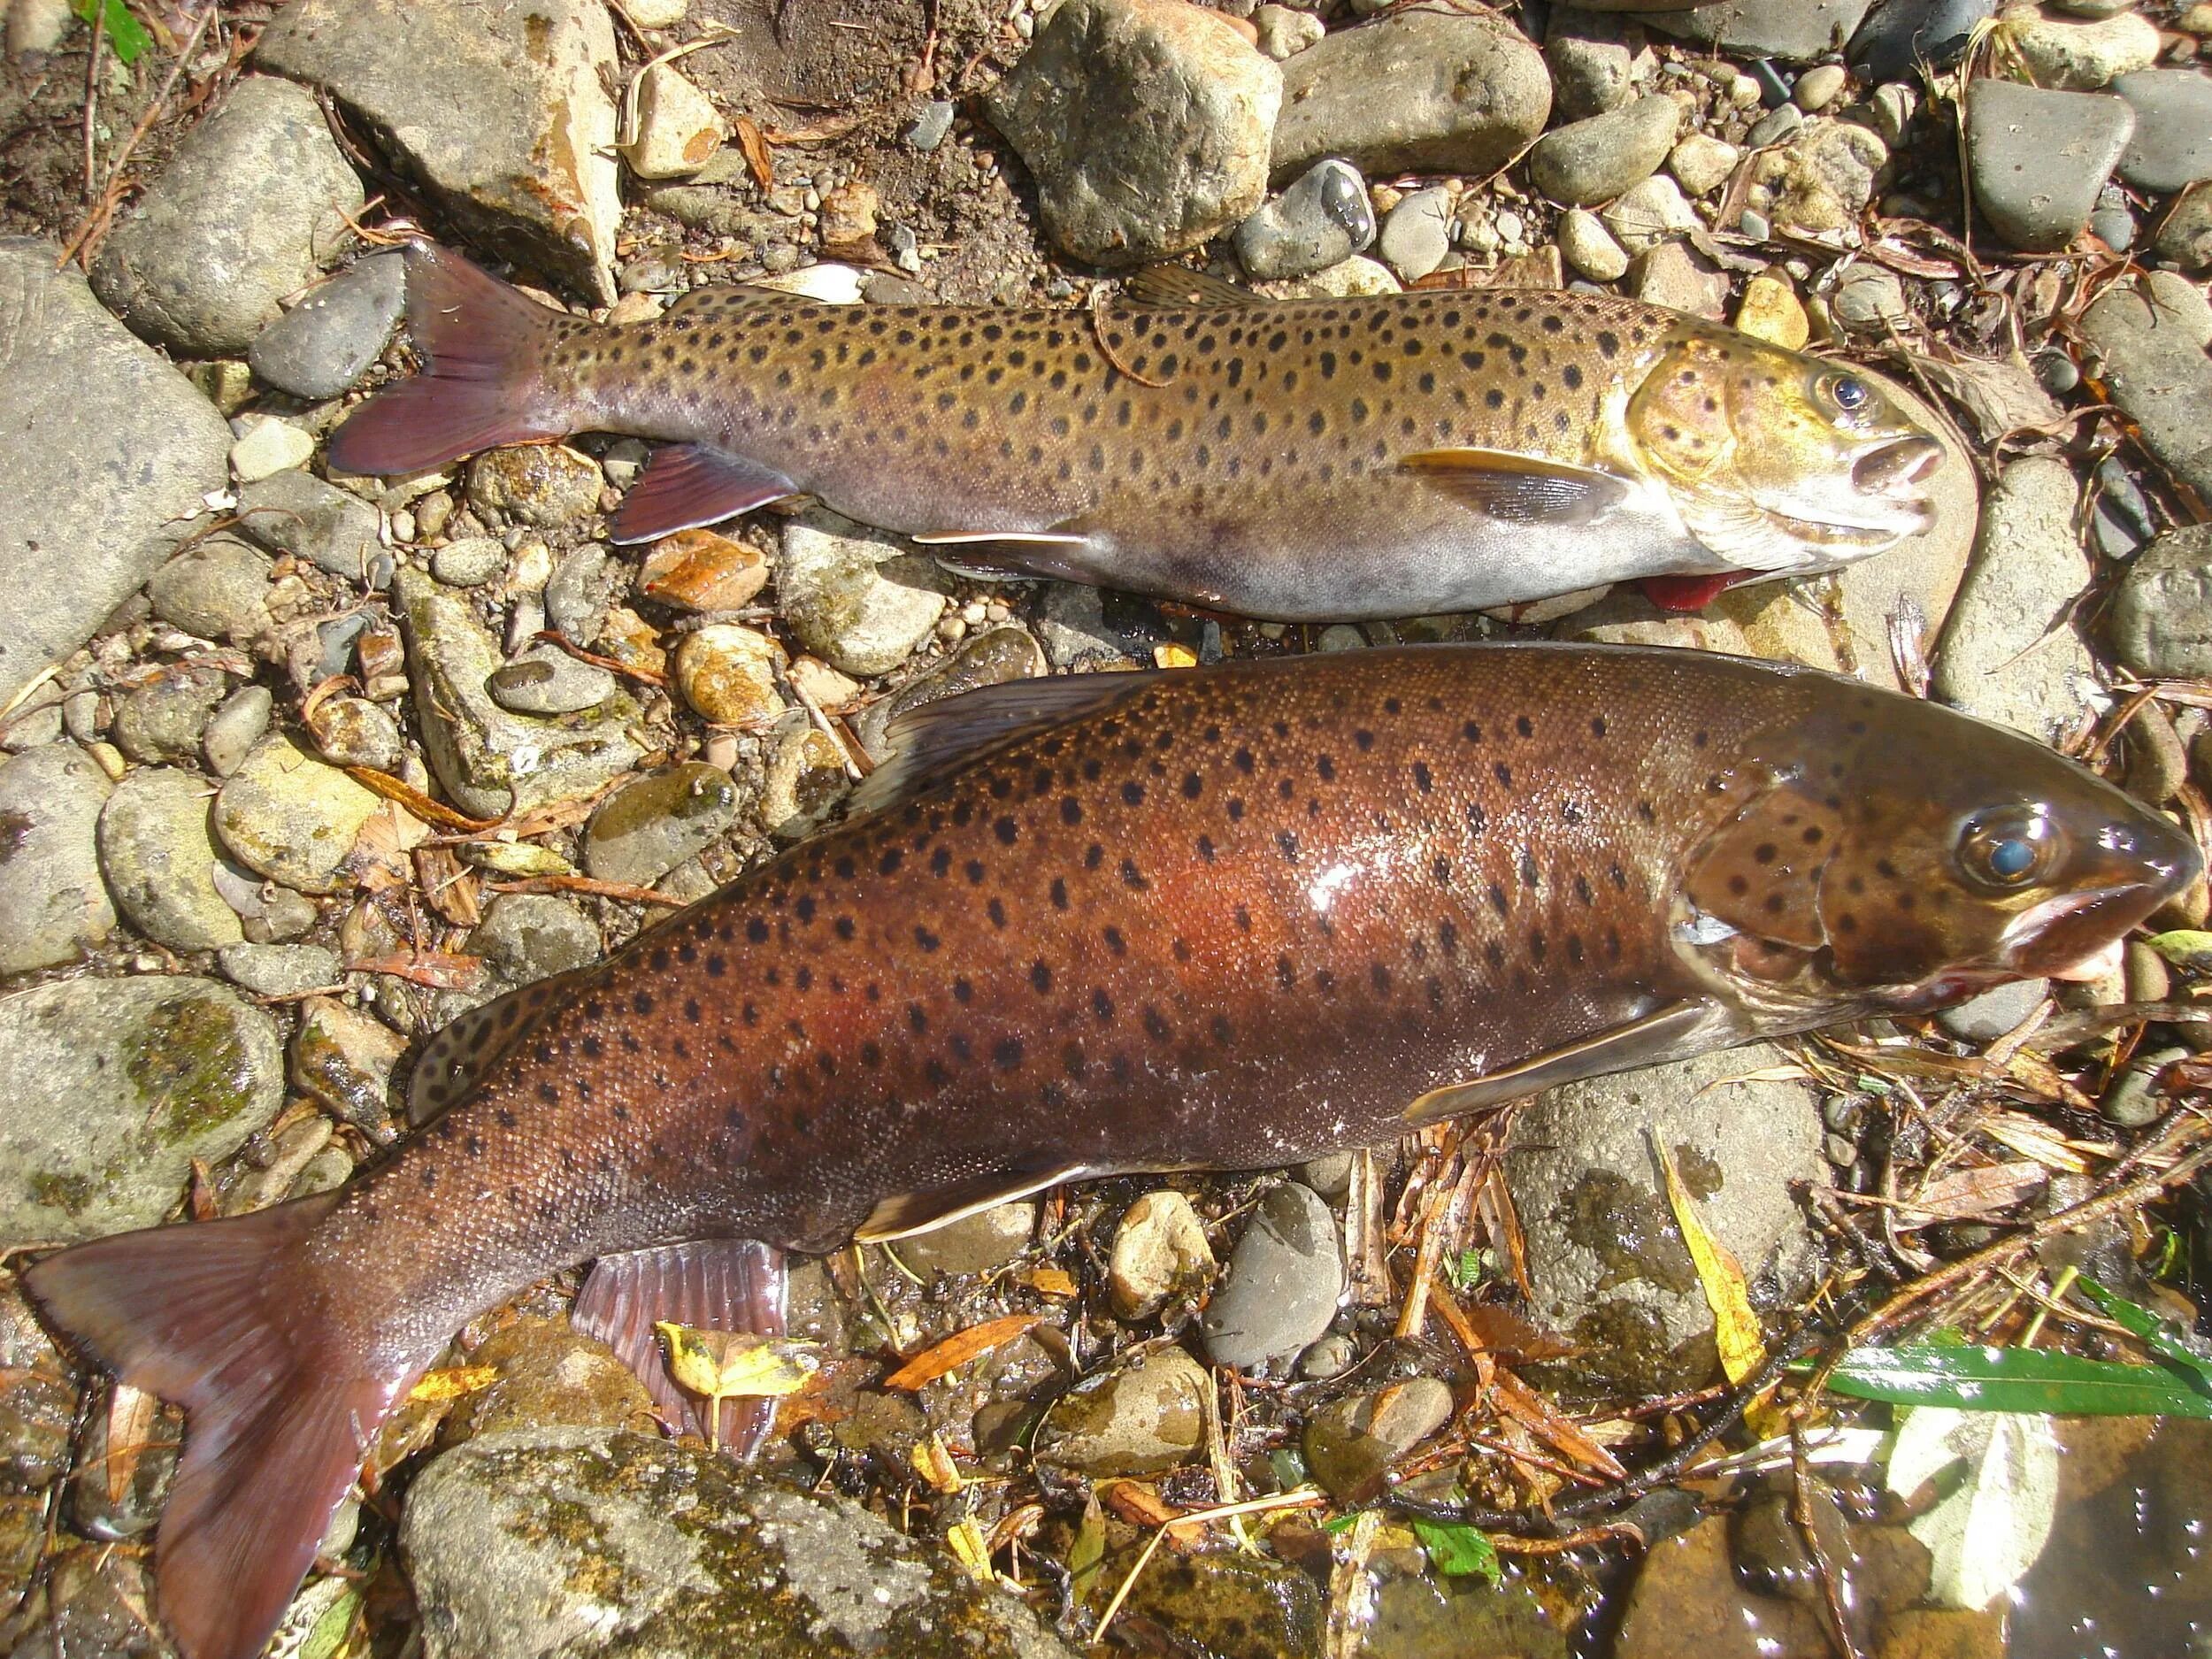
[[485, 346], [214, 1315]]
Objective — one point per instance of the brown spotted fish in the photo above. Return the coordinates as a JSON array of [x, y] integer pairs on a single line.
[[1388, 456], [1229, 918]]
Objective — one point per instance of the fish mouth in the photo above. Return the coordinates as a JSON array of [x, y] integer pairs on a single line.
[[1899, 469], [1889, 500]]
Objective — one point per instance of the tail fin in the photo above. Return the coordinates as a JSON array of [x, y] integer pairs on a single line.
[[484, 346], [279, 1414]]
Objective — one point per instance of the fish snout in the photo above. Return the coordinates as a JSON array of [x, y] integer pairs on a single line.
[[2137, 867], [1897, 467]]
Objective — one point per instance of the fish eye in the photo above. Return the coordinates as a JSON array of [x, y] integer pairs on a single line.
[[1849, 393], [2006, 850]]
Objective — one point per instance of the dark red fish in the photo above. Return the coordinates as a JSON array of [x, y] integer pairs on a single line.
[[1229, 919]]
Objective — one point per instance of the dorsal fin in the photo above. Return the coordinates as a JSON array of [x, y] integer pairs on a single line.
[[939, 738], [460, 1052], [1178, 288]]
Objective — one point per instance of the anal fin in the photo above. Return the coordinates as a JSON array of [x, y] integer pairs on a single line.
[[687, 485], [1671, 1032], [733, 1284], [1519, 488]]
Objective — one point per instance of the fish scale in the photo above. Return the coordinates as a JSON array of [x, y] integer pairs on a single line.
[[1226, 918], [1389, 456]]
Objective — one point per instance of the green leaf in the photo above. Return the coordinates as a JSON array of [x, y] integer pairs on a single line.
[[2185, 948], [1466, 1270], [125, 33], [2017, 1380], [1458, 1550], [2152, 1331]]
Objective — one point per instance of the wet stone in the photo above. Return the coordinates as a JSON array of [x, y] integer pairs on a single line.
[[1227, 1605], [550, 1376], [805, 780], [1285, 1279], [298, 513], [546, 680], [544, 484], [974, 1244], [109, 1090], [470, 563], [1685, 1600], [2013, 134], [1988, 1017], [1324, 217], [236, 726], [1594, 160], [1351, 1443], [645, 829], [2161, 621], [537, 1542], [162, 720], [279, 970], [697, 570], [1160, 1250], [93, 1511], [52, 904], [159, 854], [216, 588], [290, 817], [727, 674], [99, 1600], [1139, 1418], [990, 659], [354, 732], [853, 598], [38, 1400], [319, 348], [491, 759], [344, 1058]]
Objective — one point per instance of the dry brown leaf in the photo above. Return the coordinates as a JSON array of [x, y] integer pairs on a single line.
[[1542, 1420], [130, 1423], [754, 144], [416, 802], [440, 970], [957, 1349]]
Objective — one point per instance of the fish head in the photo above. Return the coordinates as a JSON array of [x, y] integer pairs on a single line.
[[1886, 855], [1777, 461]]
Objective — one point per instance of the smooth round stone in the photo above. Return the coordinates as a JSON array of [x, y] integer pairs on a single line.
[[1902, 34], [1771, 311], [1775, 126], [289, 818], [470, 563], [216, 588], [645, 829], [163, 720], [234, 727], [2012, 133], [698, 570], [52, 904], [855, 599], [354, 732], [295, 512], [1418, 234], [1141, 1418], [1588, 75], [1324, 217], [327, 342], [1701, 163], [1285, 1276], [280, 970], [159, 856], [1160, 1250], [1819, 86], [266, 445], [546, 680], [728, 675], [526, 936], [578, 591], [1351, 1443], [2160, 619], [1648, 213], [805, 780], [1988, 1017], [1594, 160], [1586, 244], [544, 484], [1870, 298], [678, 127], [2172, 146]]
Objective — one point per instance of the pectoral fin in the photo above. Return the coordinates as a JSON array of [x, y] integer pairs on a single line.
[[1178, 288], [1519, 488], [1672, 1033], [905, 1213], [687, 485]]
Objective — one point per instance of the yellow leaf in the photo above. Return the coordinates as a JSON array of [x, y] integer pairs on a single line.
[[969, 1548], [935, 1464], [1735, 1327], [453, 1382], [723, 1364], [1173, 656], [1050, 1281]]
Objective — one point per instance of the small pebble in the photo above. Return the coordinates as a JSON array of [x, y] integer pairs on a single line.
[[726, 673], [470, 563], [546, 680], [267, 445], [280, 970], [1588, 246], [1160, 1250], [928, 129], [647, 827], [1819, 86], [1285, 1279]]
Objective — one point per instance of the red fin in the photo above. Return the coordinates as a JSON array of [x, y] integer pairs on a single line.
[[279, 1414], [1687, 593], [687, 485], [733, 1284], [484, 346]]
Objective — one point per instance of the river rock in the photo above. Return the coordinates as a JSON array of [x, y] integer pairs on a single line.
[[1588, 246], [234, 727], [546, 680], [548, 485], [1465, 93], [2009, 652], [295, 512], [2150, 338], [2161, 613], [268, 444], [1899, 36], [728, 675], [2172, 146], [1144, 1416], [2040, 158], [1351, 1443], [1283, 33], [1593, 64], [327, 342], [158, 847], [343, 1058], [280, 970], [853, 598], [1323, 218], [1418, 234], [1146, 124], [249, 209], [162, 720], [1701, 163], [539, 1542], [491, 759], [1592, 161], [974, 1244], [111, 452], [1160, 1250], [1795, 31], [216, 588], [679, 129], [354, 732], [289, 818], [525, 937], [550, 1375], [501, 107], [2185, 234], [698, 570], [109, 1090], [1650, 213], [805, 780], [1823, 179], [1607, 1261], [646, 828], [52, 904], [2056, 52], [1285, 1278]]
